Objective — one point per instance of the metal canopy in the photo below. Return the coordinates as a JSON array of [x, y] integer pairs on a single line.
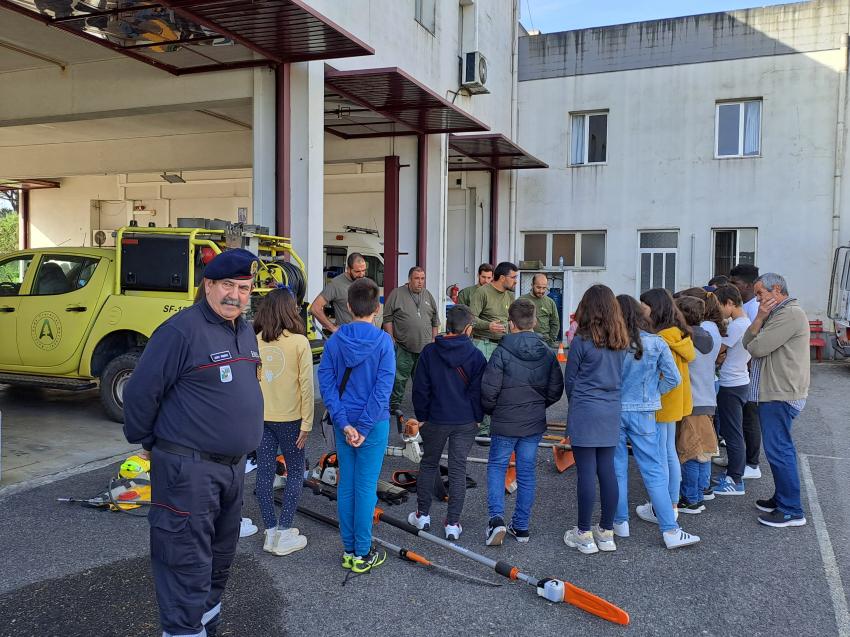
[[196, 36], [493, 151], [387, 102], [27, 184]]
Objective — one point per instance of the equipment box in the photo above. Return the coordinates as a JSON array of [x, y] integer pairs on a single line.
[[157, 263]]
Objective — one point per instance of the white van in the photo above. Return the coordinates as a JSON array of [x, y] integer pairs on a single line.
[[338, 245]]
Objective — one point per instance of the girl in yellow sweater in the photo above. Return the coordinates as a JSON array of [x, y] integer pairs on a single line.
[[668, 322], [286, 379]]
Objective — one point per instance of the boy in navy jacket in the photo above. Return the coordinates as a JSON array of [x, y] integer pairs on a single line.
[[521, 380], [447, 396]]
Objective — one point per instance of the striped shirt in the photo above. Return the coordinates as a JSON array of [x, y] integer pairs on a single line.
[[755, 375]]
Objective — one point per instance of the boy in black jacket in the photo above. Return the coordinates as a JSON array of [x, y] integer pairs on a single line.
[[521, 380], [447, 396]]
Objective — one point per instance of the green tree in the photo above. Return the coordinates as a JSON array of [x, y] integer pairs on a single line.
[[8, 231]]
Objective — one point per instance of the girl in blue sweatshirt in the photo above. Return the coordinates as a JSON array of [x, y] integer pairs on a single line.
[[592, 382], [359, 412]]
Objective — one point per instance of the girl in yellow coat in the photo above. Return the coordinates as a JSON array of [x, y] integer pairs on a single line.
[[668, 322], [286, 378]]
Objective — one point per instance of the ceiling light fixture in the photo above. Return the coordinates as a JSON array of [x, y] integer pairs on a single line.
[[173, 178]]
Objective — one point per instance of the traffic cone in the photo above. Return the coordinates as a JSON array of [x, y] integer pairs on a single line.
[[562, 357]]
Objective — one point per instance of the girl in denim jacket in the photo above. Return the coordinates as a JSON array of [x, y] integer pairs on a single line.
[[648, 372]]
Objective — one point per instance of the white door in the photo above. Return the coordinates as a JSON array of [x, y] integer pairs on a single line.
[[459, 267]]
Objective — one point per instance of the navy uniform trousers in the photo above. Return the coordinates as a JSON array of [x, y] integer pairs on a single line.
[[193, 537]]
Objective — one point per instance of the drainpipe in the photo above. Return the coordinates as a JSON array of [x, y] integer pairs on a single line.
[[512, 202], [840, 139]]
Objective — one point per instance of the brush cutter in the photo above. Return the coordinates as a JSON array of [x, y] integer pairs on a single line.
[[403, 553], [551, 589]]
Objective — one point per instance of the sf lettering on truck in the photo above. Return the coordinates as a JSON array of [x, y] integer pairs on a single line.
[[169, 309]]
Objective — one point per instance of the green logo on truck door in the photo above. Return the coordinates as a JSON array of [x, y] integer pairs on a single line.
[[46, 330]]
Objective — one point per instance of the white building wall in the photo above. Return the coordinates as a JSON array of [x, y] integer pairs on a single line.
[[661, 172], [433, 59]]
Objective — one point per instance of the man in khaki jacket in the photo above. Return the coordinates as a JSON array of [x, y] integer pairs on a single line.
[[778, 341]]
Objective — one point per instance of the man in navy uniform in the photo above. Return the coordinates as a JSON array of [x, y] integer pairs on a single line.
[[194, 403]]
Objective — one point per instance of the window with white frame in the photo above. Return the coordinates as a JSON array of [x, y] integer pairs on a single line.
[[732, 246], [588, 138], [566, 249], [425, 13], [657, 255], [738, 129]]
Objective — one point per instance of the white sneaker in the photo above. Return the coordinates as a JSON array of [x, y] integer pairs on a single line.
[[250, 465], [421, 522], [268, 542], [604, 539], [646, 512], [286, 543], [247, 528], [453, 531], [584, 542], [621, 529], [678, 538], [752, 473]]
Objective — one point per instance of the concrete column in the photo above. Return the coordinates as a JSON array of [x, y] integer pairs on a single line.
[[391, 221], [437, 189], [264, 133], [307, 157]]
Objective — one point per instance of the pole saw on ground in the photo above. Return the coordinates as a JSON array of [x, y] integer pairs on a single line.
[[552, 589], [406, 554]]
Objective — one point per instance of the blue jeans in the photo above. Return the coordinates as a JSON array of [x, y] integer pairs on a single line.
[[501, 448], [695, 474], [357, 493], [666, 438], [641, 429], [776, 419], [730, 418]]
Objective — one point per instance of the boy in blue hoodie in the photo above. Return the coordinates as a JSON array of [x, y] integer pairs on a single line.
[[447, 396], [521, 380], [356, 377]]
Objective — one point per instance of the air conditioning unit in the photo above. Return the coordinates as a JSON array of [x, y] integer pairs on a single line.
[[102, 238], [475, 72]]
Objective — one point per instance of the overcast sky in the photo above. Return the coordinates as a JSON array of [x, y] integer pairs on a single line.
[[562, 15]]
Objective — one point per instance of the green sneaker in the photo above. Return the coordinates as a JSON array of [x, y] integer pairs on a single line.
[[369, 561], [348, 560]]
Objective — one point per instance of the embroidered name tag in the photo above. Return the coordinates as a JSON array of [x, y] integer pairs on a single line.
[[225, 373], [255, 354], [220, 356]]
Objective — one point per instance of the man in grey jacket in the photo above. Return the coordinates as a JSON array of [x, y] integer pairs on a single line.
[[778, 341]]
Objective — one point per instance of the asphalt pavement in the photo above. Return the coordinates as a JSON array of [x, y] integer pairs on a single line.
[[67, 570]]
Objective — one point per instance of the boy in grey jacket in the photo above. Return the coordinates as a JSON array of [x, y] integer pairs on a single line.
[[778, 341], [521, 380]]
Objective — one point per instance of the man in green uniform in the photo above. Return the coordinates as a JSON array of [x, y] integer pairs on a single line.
[[485, 275], [489, 306], [411, 317], [548, 323]]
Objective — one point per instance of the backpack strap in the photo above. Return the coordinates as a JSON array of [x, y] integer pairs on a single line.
[[462, 375], [346, 375]]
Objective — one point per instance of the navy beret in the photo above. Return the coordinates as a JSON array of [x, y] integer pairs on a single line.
[[232, 264]]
